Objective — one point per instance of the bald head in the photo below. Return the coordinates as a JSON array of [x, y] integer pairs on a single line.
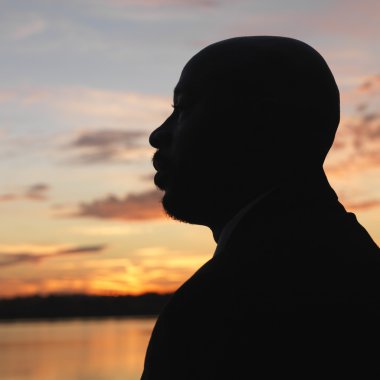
[[283, 76], [248, 112]]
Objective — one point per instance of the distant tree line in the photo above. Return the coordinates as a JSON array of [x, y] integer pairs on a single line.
[[71, 306]]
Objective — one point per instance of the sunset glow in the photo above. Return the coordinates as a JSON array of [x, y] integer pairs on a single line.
[[82, 86]]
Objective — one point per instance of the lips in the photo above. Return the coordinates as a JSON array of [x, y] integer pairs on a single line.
[[161, 164], [160, 161], [159, 180], [162, 179]]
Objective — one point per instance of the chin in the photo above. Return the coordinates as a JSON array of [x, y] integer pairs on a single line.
[[184, 208], [173, 207]]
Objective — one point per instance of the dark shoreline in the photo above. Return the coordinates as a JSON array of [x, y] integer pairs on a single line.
[[65, 307], [73, 319]]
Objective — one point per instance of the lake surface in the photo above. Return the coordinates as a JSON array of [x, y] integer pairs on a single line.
[[95, 349]]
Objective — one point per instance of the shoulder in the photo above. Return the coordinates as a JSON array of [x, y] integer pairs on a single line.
[[190, 330], [308, 260]]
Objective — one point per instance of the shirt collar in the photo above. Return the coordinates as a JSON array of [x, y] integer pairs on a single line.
[[231, 225]]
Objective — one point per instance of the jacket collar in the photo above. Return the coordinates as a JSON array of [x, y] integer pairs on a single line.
[[302, 202]]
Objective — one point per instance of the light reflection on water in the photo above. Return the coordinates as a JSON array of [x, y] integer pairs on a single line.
[[102, 349]]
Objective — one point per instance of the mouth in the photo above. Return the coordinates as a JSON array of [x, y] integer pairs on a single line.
[[161, 180], [161, 164], [160, 161]]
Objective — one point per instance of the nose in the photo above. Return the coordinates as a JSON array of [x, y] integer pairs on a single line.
[[161, 136]]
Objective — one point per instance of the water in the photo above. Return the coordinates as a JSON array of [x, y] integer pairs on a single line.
[[102, 349]]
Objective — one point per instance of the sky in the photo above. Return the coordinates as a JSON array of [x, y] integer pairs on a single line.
[[83, 83]]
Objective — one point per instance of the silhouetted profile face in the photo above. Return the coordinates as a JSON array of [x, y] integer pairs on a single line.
[[248, 113]]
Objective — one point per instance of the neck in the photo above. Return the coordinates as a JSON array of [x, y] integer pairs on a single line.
[[292, 193]]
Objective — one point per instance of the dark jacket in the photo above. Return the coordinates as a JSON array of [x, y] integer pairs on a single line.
[[283, 298]]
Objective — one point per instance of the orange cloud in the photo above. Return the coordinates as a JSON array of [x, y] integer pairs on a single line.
[[149, 269], [357, 144], [152, 269], [133, 207], [16, 287], [362, 205]]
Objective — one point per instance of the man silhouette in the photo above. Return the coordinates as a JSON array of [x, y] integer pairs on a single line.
[[242, 153]]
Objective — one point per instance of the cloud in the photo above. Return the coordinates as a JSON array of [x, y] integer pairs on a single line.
[[35, 192], [6, 96], [120, 108], [14, 258], [146, 268], [357, 151], [357, 144], [32, 28], [82, 249], [366, 132], [75, 119], [109, 145], [133, 207], [163, 269], [8, 197], [356, 19], [362, 205], [370, 84], [79, 118], [347, 19], [108, 137], [156, 3], [121, 229], [77, 105], [147, 177], [18, 258], [18, 26], [149, 11]]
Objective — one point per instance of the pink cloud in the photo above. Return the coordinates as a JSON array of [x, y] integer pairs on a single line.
[[357, 144], [108, 145], [193, 3], [343, 18], [31, 28], [371, 84], [8, 197], [134, 207], [35, 192]]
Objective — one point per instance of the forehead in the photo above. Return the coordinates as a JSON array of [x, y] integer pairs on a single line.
[[189, 84], [195, 83], [216, 76], [182, 91]]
